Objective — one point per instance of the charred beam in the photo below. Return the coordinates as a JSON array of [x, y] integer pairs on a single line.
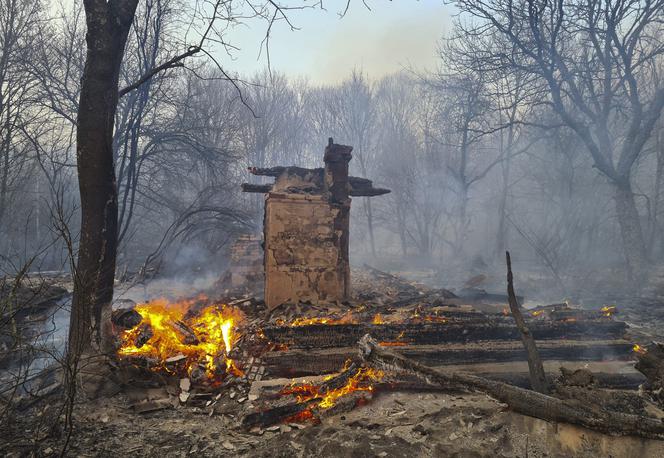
[[345, 335], [257, 188], [522, 401], [298, 363]]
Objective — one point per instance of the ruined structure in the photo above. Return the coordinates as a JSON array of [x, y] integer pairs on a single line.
[[306, 228]]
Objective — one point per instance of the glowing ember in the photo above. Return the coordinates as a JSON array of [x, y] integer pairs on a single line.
[[345, 319], [638, 349], [362, 380], [608, 310], [171, 329]]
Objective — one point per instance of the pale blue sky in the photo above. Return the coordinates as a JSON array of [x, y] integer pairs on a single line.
[[393, 35]]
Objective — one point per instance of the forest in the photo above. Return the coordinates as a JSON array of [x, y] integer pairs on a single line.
[[126, 135]]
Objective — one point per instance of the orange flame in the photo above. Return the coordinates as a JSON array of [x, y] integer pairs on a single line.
[[361, 381], [205, 338], [345, 319], [608, 310]]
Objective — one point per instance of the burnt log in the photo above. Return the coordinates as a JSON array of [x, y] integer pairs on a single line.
[[185, 331], [126, 318], [344, 335], [257, 188], [279, 414], [650, 362], [145, 333], [520, 400], [298, 363]]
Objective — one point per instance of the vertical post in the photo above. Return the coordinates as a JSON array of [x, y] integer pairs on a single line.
[[337, 189], [336, 160]]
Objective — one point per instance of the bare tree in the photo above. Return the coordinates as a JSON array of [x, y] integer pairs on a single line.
[[591, 57]]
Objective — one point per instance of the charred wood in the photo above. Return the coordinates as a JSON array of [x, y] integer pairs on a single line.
[[538, 379], [522, 401], [257, 188], [297, 363], [344, 335], [126, 318], [145, 333]]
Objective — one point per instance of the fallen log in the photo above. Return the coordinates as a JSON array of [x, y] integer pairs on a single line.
[[274, 415], [297, 363], [520, 400]]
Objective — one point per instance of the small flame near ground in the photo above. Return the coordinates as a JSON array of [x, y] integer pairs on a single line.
[[363, 379], [204, 337], [608, 310], [638, 349]]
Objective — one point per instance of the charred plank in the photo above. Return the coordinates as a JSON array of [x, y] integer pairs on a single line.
[[298, 363], [344, 335]]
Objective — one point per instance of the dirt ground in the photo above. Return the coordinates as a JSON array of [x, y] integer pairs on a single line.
[[392, 425]]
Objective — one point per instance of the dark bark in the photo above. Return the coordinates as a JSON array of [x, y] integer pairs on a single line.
[[108, 24], [538, 379], [520, 400], [299, 363], [630, 231], [497, 328]]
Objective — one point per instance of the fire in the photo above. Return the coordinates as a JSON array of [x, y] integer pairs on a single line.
[[347, 318], [170, 329], [608, 310], [638, 349], [537, 312], [361, 380], [378, 319]]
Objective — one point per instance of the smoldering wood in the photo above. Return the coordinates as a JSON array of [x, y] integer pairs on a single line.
[[298, 363], [650, 362], [274, 415], [145, 333], [538, 379], [184, 330], [520, 400], [344, 335], [126, 318]]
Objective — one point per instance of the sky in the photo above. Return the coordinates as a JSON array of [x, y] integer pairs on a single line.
[[392, 36]]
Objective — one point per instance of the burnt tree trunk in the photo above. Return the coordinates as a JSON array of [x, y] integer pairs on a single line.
[[108, 24], [630, 231]]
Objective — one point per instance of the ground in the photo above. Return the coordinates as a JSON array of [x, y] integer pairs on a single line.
[[393, 424], [422, 424]]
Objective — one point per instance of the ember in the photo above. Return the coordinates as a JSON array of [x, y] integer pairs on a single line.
[[174, 332], [608, 310], [362, 380]]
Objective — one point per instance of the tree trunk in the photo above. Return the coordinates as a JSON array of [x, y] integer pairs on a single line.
[[108, 24], [501, 232], [630, 231]]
